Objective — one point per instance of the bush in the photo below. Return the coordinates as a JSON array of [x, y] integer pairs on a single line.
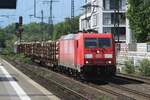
[[144, 67], [129, 67], [6, 51], [27, 60], [21, 57]]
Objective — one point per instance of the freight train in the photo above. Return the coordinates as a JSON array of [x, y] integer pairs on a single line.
[[82, 53]]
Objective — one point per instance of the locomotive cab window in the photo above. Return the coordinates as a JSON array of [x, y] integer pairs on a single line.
[[104, 42], [90, 43], [97, 43]]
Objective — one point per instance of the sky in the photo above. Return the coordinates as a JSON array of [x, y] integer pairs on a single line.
[[25, 8]]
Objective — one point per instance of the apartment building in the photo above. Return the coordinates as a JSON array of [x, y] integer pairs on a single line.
[[100, 15]]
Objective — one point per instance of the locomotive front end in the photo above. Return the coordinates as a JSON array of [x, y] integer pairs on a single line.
[[99, 54]]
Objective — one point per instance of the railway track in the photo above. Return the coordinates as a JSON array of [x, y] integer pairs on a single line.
[[119, 96], [76, 95], [119, 92], [122, 93], [69, 94], [130, 90], [133, 77], [139, 93]]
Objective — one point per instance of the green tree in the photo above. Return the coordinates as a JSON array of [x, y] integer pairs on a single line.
[[10, 29], [38, 32], [3, 37], [139, 19], [35, 31], [66, 27]]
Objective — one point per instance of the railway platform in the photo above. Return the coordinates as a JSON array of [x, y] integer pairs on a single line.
[[14, 85]]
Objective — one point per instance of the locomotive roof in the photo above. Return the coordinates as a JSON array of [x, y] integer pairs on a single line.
[[69, 36], [98, 35], [74, 36]]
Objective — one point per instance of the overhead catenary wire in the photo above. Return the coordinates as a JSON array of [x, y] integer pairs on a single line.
[[30, 8], [50, 21]]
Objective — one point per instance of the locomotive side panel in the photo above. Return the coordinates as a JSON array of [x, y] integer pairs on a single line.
[[67, 54], [80, 52]]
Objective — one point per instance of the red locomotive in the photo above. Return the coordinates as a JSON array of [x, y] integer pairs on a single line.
[[87, 53]]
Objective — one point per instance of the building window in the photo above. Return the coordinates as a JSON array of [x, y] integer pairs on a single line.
[[85, 24], [107, 19], [110, 4], [123, 5], [106, 30], [95, 20], [82, 24]]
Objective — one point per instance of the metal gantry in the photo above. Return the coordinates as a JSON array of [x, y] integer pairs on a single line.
[[72, 9], [42, 22], [50, 20]]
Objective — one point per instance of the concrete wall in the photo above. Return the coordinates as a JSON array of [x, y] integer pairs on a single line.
[[134, 52]]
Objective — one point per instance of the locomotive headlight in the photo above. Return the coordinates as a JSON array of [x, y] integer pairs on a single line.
[[108, 55], [86, 62], [97, 51], [109, 62], [88, 56]]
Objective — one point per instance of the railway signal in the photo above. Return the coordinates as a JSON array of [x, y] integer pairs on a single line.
[[16, 28], [19, 28], [20, 24], [20, 20]]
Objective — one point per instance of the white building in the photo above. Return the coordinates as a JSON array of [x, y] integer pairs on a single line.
[[99, 15]]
